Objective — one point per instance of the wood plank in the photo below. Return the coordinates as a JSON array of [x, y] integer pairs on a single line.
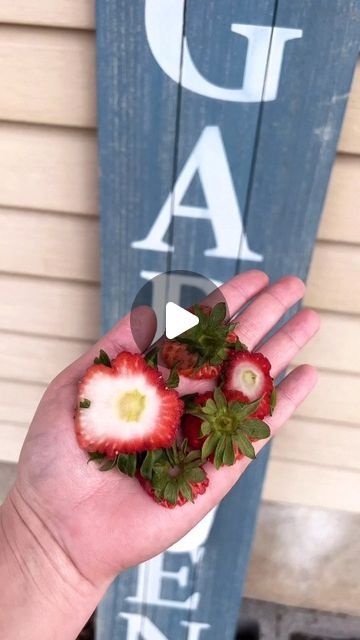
[[65, 309], [336, 346], [49, 244], [336, 397], [321, 443], [334, 278], [77, 14], [350, 135], [12, 437], [36, 358], [13, 411], [47, 76], [48, 168], [312, 485], [340, 219]]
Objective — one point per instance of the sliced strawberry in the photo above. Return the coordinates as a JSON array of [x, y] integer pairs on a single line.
[[191, 425], [173, 476], [200, 352], [249, 373], [227, 427], [125, 408]]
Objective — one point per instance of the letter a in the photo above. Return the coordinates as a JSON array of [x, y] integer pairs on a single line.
[[209, 159]]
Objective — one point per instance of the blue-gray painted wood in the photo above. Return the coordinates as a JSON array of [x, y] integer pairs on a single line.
[[279, 153]]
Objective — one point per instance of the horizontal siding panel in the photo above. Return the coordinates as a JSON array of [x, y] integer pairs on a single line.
[[49, 244], [19, 401], [12, 437], [48, 168], [334, 278], [350, 135], [77, 14], [336, 397], [67, 247], [322, 443], [36, 358], [49, 307], [340, 220], [337, 344], [312, 485], [54, 169], [47, 76]]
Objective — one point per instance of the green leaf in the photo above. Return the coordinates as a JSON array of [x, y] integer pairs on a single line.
[[131, 465], [151, 357], [229, 455], [209, 445], [209, 407], [186, 491], [103, 358], [95, 455], [171, 492], [108, 465], [205, 428], [219, 398], [245, 410], [219, 452], [173, 379], [273, 399], [218, 314], [195, 475], [147, 465], [255, 428], [85, 403], [245, 445], [192, 456]]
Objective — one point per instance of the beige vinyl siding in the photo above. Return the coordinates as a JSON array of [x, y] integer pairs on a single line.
[[49, 253]]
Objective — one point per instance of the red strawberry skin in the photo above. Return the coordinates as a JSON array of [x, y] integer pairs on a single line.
[[197, 488], [257, 367], [128, 365], [175, 353], [191, 425]]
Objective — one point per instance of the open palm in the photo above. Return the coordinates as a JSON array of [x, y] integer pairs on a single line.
[[106, 522]]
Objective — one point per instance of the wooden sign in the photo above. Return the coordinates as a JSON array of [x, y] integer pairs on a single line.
[[218, 124]]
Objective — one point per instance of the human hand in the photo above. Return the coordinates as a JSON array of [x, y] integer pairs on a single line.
[[105, 523]]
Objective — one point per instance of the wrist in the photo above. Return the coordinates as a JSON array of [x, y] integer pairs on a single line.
[[43, 593]]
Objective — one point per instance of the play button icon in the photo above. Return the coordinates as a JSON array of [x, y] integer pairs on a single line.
[[178, 320], [170, 294]]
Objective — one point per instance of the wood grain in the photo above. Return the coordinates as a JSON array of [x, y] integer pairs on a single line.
[[49, 244], [340, 218], [336, 346], [48, 168], [334, 278], [49, 307], [336, 397], [77, 14], [350, 135], [47, 76], [36, 358], [312, 485], [332, 444], [11, 409]]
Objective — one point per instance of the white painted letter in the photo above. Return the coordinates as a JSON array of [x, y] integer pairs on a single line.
[[164, 30], [208, 158], [150, 576]]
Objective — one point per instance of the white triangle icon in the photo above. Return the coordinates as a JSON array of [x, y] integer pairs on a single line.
[[178, 320]]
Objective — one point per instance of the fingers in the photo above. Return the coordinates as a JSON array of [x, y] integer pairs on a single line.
[[281, 348], [262, 314], [239, 290], [141, 323]]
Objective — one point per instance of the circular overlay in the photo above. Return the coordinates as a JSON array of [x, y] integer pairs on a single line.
[[183, 288]]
